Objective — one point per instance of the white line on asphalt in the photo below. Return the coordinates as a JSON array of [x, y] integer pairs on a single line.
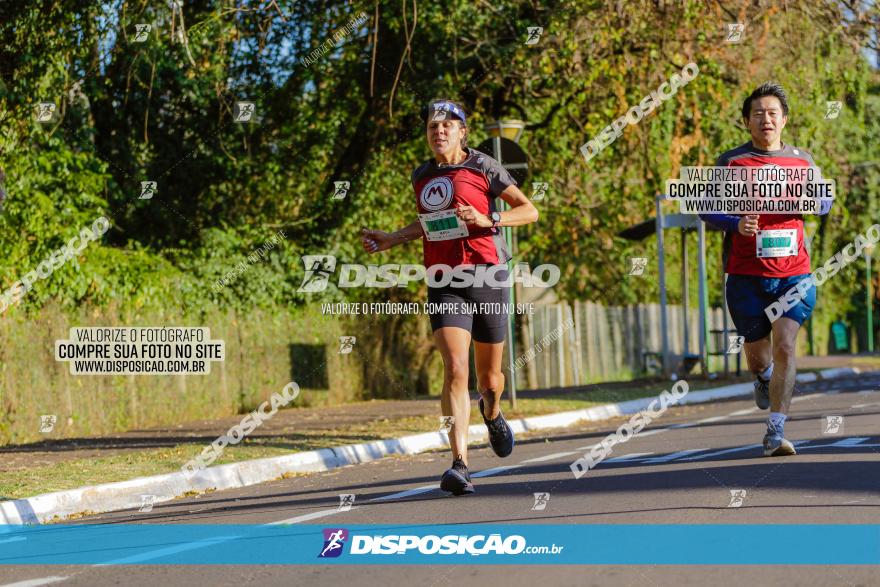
[[35, 582], [652, 432], [721, 452], [407, 493], [495, 470], [556, 455], [698, 422], [673, 456], [871, 405], [306, 517], [743, 412]]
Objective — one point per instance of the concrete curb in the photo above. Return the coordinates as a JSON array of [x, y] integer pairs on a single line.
[[128, 494]]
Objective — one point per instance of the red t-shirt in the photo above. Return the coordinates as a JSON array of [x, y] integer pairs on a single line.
[[742, 258], [476, 181]]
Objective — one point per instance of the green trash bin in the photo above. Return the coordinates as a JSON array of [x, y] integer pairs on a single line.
[[839, 341]]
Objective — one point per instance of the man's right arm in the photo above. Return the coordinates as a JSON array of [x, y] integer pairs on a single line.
[[726, 222]]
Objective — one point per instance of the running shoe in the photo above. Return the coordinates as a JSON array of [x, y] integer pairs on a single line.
[[762, 392], [457, 480], [500, 433], [775, 445]]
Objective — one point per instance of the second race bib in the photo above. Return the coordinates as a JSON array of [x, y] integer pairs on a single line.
[[443, 225], [777, 243]]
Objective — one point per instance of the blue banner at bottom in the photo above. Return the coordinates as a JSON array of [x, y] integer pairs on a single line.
[[516, 544]]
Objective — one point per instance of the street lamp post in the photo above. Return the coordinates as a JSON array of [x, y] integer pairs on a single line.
[[869, 301], [511, 130]]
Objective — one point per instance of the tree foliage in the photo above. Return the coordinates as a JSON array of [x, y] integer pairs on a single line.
[[162, 110]]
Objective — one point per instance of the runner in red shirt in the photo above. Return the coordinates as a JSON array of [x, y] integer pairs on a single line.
[[460, 230], [765, 257]]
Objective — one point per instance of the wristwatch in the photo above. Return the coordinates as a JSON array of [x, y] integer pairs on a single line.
[[496, 219]]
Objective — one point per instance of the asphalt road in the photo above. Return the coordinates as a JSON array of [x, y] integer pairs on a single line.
[[698, 464]]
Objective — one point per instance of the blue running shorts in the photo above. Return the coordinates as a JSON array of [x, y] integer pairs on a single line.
[[749, 295]]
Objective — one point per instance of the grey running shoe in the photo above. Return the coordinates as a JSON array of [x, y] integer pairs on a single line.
[[775, 445], [762, 392]]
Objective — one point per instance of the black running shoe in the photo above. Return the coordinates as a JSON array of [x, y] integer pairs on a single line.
[[500, 433], [457, 480]]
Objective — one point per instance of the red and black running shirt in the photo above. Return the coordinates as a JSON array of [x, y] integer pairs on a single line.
[[476, 181], [740, 251]]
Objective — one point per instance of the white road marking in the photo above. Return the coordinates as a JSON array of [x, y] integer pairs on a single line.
[[871, 405], [722, 452], [407, 493], [652, 432], [495, 470], [743, 412], [35, 582], [673, 456], [698, 422], [306, 517], [556, 455]]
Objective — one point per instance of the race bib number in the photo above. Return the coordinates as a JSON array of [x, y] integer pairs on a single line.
[[443, 225], [777, 243]]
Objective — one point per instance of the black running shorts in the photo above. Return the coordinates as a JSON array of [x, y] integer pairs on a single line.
[[482, 310]]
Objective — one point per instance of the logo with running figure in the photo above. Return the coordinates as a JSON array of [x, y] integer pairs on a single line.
[[446, 423], [45, 111], [735, 32], [318, 271], [639, 264], [47, 422], [437, 194], [334, 540], [832, 109], [832, 425], [539, 190], [534, 35], [346, 344], [735, 344], [346, 500], [541, 500], [737, 497]]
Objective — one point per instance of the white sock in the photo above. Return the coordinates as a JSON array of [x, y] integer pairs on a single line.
[[767, 373], [777, 421]]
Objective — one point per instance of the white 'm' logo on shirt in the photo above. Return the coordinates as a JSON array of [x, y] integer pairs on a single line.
[[436, 194]]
